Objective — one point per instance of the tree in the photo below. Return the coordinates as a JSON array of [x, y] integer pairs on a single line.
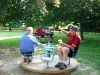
[[85, 12], [52, 12], [10, 11]]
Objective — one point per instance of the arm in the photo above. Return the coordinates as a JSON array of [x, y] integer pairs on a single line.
[[42, 45], [37, 43], [66, 45], [75, 43], [69, 46], [34, 41], [65, 32]]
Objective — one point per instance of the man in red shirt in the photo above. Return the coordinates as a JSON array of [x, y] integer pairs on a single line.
[[67, 48]]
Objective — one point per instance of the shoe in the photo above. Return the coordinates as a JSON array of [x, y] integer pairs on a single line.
[[58, 64], [62, 66], [29, 60], [25, 60]]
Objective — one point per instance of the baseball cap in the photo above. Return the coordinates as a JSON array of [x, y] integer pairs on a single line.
[[74, 27]]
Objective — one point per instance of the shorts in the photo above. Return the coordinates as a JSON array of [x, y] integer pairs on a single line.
[[72, 53], [49, 35], [27, 53]]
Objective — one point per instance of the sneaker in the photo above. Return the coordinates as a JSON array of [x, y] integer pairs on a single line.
[[62, 66], [25, 60], [29, 60], [58, 64]]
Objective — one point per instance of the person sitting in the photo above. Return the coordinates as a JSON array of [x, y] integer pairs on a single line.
[[67, 48], [40, 32], [48, 33], [27, 43]]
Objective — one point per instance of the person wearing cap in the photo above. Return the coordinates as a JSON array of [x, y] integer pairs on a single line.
[[27, 43], [67, 48]]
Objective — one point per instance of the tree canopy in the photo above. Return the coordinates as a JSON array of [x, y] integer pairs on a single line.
[[52, 13]]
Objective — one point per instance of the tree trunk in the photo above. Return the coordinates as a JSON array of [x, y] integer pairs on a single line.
[[10, 29], [82, 16], [81, 31]]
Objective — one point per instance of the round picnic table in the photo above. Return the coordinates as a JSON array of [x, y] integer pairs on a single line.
[[38, 67]]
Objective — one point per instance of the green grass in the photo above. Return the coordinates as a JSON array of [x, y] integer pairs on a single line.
[[92, 36], [10, 33], [10, 42], [89, 51]]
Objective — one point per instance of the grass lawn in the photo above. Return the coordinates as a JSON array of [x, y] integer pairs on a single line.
[[10, 33], [89, 51], [89, 54]]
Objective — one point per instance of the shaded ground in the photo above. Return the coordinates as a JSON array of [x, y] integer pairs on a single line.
[[85, 69], [10, 56]]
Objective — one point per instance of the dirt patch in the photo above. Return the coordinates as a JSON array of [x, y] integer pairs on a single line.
[[9, 56], [11, 59], [85, 69], [12, 68], [8, 53]]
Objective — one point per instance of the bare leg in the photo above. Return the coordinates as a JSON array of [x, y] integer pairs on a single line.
[[65, 51], [59, 53]]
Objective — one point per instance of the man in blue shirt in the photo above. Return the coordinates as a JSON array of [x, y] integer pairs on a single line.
[[27, 43]]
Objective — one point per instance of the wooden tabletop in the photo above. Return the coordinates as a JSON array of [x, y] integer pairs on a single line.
[[39, 66]]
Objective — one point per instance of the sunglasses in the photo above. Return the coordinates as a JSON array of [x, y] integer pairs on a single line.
[[28, 30]]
